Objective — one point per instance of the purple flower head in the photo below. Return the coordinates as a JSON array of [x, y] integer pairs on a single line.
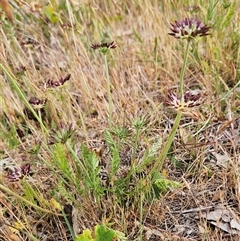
[[18, 173], [189, 28], [104, 47], [15, 175], [190, 99], [25, 169], [50, 83], [37, 103]]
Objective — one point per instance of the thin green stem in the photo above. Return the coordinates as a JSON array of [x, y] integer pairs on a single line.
[[159, 163], [69, 225], [181, 85], [23, 97], [110, 103], [42, 129]]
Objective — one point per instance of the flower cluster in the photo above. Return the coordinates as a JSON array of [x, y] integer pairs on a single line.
[[18, 173], [189, 28], [104, 47], [55, 83], [190, 99], [37, 103], [20, 70]]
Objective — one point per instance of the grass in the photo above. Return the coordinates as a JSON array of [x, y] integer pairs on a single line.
[[98, 144]]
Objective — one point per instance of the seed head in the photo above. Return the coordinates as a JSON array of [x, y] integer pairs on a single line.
[[189, 28]]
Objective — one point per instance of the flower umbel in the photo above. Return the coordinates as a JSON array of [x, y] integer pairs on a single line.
[[18, 173], [37, 103], [189, 100], [189, 28], [55, 83], [104, 47]]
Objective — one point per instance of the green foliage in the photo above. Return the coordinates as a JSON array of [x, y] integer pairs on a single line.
[[228, 17], [74, 173], [10, 136], [65, 194], [120, 132], [7, 131], [51, 14], [85, 236], [114, 148], [161, 185], [150, 154], [101, 234], [33, 195], [138, 124], [91, 176], [61, 161]]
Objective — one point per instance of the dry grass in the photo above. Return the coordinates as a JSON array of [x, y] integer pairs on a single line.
[[143, 69]]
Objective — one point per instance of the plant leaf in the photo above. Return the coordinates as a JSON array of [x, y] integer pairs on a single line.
[[109, 139], [50, 13], [85, 236], [102, 234], [164, 184]]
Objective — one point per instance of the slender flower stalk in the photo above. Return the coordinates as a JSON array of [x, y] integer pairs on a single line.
[[110, 102], [104, 49], [181, 84], [159, 162], [187, 29]]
